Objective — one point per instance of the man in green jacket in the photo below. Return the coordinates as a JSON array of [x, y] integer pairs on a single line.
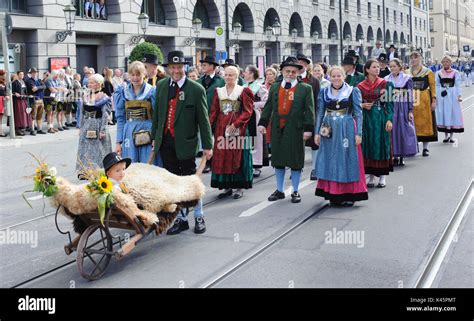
[[180, 110], [290, 107], [353, 77]]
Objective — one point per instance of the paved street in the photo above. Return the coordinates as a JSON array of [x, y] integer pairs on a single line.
[[396, 229]]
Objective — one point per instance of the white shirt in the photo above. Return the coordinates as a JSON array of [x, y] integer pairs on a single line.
[[180, 82], [391, 56], [293, 83], [377, 51], [304, 74]]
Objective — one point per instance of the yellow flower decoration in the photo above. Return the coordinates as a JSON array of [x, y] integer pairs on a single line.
[[105, 185]]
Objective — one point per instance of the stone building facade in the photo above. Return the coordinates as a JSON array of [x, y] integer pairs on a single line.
[[452, 28], [325, 29]]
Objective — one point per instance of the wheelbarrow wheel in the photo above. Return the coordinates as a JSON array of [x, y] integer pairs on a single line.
[[94, 252]]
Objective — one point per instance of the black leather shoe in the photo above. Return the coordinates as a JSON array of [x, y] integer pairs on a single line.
[[380, 185], [199, 225], [451, 141], [225, 194], [396, 161], [370, 185], [238, 194], [256, 173], [426, 152], [446, 140], [402, 162], [295, 197], [33, 133], [277, 195], [65, 128], [41, 132], [313, 176], [178, 226], [347, 204], [335, 203]]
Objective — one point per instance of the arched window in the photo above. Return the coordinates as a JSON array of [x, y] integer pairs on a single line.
[[154, 10], [200, 11]]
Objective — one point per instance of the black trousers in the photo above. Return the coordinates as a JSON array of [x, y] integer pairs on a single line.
[[171, 162]]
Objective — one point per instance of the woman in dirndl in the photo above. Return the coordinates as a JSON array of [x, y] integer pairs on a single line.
[[94, 136], [448, 92], [231, 110], [339, 163], [134, 105]]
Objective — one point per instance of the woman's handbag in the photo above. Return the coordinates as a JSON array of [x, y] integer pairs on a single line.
[[142, 137], [325, 130], [91, 134]]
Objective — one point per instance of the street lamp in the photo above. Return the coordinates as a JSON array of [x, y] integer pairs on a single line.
[[294, 34], [315, 36], [333, 37], [70, 15], [197, 26], [235, 43], [277, 29], [143, 21]]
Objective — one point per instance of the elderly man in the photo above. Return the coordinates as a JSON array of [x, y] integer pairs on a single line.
[[377, 50], [117, 80], [290, 107], [180, 111]]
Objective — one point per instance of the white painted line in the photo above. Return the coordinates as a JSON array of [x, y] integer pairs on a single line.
[[35, 198], [257, 208], [468, 107], [464, 99]]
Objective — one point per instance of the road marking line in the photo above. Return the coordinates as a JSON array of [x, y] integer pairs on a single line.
[[468, 107], [464, 99], [257, 208]]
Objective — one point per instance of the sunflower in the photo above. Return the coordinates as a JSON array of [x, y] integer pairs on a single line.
[[105, 185]]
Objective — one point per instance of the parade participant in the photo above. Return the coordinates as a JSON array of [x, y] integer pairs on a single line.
[[151, 65], [307, 77], [467, 73], [87, 73], [290, 107], [114, 168], [260, 96], [22, 118], [377, 50], [353, 77], [448, 92], [340, 166], [355, 57], [134, 106], [94, 136], [109, 91], [231, 111], [424, 102], [3, 100], [231, 62], [392, 53], [35, 88], [377, 123], [271, 75], [383, 63], [210, 81], [181, 111], [404, 141], [319, 74]]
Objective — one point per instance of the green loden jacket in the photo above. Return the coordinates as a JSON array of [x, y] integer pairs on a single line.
[[217, 82], [287, 144], [355, 79], [191, 115]]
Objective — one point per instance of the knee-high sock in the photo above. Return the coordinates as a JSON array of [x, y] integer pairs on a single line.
[[295, 179], [280, 176]]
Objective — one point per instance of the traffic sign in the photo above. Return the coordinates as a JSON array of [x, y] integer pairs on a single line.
[[220, 38], [466, 48]]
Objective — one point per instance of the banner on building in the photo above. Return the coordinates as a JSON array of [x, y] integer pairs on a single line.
[[56, 63]]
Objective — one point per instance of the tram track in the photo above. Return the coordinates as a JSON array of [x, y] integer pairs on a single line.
[[261, 249], [436, 259]]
